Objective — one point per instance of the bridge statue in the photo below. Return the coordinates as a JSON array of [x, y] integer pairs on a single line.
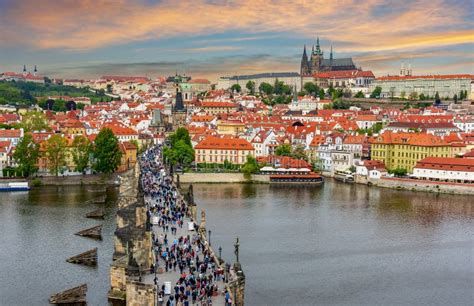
[[236, 248]]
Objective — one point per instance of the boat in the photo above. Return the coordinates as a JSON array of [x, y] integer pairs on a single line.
[[344, 176], [310, 178], [14, 186]]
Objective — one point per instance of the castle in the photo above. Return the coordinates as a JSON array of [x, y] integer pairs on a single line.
[[317, 63]]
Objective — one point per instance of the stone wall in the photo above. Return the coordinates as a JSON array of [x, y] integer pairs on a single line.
[[188, 178], [139, 294], [427, 186]]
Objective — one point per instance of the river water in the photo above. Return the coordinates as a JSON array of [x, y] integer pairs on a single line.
[[316, 245]]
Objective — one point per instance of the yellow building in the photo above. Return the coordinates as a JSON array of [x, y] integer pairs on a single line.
[[217, 150], [230, 127], [403, 150]]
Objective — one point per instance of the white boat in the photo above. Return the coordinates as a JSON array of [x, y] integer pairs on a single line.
[[14, 186], [344, 176]]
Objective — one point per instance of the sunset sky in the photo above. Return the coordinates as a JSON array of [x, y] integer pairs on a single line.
[[89, 38]]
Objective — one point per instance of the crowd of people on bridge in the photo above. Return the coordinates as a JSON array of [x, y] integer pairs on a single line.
[[178, 249]]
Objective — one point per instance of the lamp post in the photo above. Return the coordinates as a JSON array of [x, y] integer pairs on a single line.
[[209, 237], [220, 253]]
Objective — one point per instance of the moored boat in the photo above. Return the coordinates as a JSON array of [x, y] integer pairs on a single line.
[[310, 178], [14, 186], [344, 176]]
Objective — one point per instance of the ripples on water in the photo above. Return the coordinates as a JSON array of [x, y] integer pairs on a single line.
[[333, 244]]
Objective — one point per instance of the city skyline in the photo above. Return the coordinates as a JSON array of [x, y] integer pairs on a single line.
[[214, 38]]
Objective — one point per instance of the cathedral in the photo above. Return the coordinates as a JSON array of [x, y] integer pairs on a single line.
[[317, 63]]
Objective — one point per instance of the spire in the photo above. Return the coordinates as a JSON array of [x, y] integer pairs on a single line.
[[35, 71], [24, 69], [318, 47], [304, 50], [295, 95], [330, 55]]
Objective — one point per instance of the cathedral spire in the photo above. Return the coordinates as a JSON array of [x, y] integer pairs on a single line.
[[330, 55]]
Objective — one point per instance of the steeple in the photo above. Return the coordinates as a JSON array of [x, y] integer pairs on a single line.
[[318, 48], [35, 71], [24, 69], [330, 55], [295, 96]]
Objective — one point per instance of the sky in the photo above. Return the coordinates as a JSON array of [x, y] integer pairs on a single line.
[[212, 38]]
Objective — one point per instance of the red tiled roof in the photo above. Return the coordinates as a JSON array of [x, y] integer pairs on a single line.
[[446, 163], [343, 74], [212, 142]]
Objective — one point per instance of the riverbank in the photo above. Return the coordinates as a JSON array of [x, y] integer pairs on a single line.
[[76, 180], [384, 182], [221, 178]]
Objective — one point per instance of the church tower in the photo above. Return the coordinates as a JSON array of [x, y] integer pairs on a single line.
[[305, 66], [179, 111], [24, 70], [316, 58]]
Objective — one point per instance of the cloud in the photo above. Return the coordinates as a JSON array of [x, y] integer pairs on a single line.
[[89, 24]]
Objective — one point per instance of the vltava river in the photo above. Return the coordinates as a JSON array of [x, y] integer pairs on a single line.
[[345, 244], [334, 244]]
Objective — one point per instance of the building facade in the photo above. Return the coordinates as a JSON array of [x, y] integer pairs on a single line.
[[428, 85], [218, 150], [459, 170]]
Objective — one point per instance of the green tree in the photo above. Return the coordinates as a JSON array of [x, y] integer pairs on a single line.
[[81, 151], [422, 97], [250, 87], [250, 167], [180, 150], [399, 171], [299, 153], [455, 98], [109, 88], [56, 153], [34, 121], [321, 94], [376, 92], [265, 88], [311, 88], [106, 152], [26, 155], [278, 87], [413, 96], [359, 95], [236, 88], [437, 99], [283, 150]]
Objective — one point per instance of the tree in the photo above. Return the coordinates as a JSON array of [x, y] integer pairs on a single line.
[[34, 121], [265, 88], [376, 92], [413, 96], [250, 87], [422, 97], [336, 94], [283, 150], [437, 99], [359, 95], [81, 151], [299, 153], [311, 88], [180, 150], [236, 88], [109, 88], [278, 87], [455, 98], [106, 152], [399, 171], [250, 167], [26, 155], [321, 94], [56, 153]]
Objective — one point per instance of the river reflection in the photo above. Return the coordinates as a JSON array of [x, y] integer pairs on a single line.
[[345, 244], [37, 235]]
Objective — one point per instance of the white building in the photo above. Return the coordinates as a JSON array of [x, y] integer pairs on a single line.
[[447, 169], [428, 85]]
